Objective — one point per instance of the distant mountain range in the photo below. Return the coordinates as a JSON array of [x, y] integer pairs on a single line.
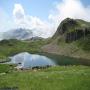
[[20, 34]]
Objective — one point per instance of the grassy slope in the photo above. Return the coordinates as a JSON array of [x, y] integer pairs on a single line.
[[6, 68], [77, 49], [11, 47], [54, 78]]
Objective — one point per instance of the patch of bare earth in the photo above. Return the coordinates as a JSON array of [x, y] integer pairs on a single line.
[[66, 50]]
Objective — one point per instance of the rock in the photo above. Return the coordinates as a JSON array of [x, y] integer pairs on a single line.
[[72, 29]]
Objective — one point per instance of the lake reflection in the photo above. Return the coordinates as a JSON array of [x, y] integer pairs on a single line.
[[26, 60]]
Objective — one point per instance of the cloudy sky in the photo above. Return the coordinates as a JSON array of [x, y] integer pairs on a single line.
[[41, 16]]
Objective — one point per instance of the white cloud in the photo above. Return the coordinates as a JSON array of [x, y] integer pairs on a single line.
[[39, 27], [18, 14], [18, 11], [69, 8]]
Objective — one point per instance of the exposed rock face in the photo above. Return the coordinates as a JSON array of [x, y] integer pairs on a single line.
[[73, 29], [77, 34], [63, 27]]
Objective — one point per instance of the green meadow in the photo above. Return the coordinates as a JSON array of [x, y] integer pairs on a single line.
[[53, 78]]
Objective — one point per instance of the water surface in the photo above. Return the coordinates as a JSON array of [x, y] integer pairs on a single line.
[[27, 60]]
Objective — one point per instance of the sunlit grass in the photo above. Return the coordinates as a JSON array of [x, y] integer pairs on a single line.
[[53, 78]]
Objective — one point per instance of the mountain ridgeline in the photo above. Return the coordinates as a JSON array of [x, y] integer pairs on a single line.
[[73, 29], [72, 38]]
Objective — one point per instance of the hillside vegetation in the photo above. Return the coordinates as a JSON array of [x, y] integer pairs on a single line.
[[12, 47]]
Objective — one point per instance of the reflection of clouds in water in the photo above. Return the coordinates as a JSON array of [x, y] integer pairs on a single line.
[[31, 60]]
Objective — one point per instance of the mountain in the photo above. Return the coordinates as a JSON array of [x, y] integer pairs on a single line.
[[73, 29], [20, 34], [72, 38]]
